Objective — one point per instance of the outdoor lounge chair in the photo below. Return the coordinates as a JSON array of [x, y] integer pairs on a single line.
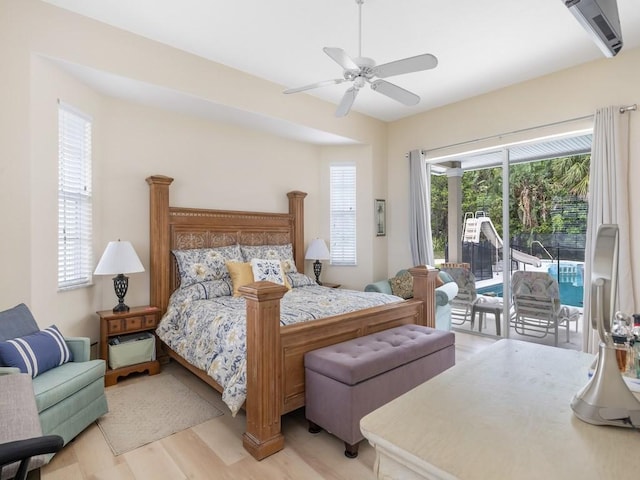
[[467, 295], [537, 310]]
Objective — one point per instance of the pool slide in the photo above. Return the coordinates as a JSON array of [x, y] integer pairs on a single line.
[[473, 227]]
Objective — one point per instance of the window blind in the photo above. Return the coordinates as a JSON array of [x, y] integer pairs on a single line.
[[75, 259], [343, 214]]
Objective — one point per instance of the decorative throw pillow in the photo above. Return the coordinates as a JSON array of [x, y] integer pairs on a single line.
[[271, 252], [402, 285], [204, 264], [17, 322], [445, 277], [439, 281], [241, 275], [270, 271], [203, 291], [217, 288], [36, 353], [300, 280]]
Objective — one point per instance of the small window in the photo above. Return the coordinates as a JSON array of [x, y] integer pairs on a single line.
[[343, 214], [75, 258]]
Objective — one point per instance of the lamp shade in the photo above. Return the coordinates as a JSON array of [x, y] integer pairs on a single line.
[[317, 250], [119, 257]]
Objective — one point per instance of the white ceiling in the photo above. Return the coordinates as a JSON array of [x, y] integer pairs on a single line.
[[481, 45]]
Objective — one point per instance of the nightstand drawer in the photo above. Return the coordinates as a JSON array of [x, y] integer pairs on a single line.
[[150, 321], [115, 326], [133, 323]]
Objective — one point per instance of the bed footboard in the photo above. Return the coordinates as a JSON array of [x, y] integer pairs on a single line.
[[275, 354]]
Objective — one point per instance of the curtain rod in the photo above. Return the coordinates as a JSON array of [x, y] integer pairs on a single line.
[[628, 108], [513, 132]]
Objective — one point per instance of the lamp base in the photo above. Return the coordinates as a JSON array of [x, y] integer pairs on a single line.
[[120, 285], [317, 268], [120, 307]]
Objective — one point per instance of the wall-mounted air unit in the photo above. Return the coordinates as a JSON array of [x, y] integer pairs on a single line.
[[601, 20]]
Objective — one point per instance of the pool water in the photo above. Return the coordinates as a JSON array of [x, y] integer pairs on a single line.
[[571, 292]]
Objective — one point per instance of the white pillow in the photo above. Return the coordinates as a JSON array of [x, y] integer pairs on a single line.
[[268, 270], [271, 252]]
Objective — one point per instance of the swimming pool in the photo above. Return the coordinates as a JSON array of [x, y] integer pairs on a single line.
[[570, 283]]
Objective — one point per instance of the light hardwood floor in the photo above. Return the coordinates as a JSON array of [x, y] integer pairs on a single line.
[[213, 450]]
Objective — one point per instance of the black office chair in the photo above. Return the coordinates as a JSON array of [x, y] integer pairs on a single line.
[[24, 450], [21, 438]]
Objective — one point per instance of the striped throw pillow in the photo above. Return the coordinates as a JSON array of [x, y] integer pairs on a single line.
[[36, 353]]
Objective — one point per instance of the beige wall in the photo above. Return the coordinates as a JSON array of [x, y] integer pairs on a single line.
[[71, 310], [569, 94], [216, 165], [367, 248], [133, 141]]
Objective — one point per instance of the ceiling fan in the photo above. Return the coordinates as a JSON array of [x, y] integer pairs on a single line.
[[361, 70]]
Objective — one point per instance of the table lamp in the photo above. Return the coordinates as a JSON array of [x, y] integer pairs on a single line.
[[317, 251], [119, 258]]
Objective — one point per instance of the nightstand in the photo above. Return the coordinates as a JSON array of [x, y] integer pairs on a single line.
[[331, 285], [137, 319]]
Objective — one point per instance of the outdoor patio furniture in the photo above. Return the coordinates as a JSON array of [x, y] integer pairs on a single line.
[[482, 306], [467, 295], [537, 310]]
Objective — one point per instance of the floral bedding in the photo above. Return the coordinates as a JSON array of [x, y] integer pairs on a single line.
[[206, 326]]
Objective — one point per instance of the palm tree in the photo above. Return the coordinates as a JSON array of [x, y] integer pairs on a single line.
[[536, 190], [573, 173]]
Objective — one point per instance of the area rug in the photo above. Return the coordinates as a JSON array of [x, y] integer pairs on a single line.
[[150, 409]]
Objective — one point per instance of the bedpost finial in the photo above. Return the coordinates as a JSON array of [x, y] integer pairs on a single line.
[[159, 179], [296, 193]]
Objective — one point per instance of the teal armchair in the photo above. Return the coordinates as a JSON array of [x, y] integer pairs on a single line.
[[69, 397], [445, 293]]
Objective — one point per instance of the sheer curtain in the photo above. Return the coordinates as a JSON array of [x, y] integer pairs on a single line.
[[609, 203], [420, 210]]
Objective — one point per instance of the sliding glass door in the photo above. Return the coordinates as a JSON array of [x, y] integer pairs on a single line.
[[522, 208]]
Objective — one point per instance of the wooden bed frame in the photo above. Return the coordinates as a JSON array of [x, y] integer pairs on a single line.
[[275, 354]]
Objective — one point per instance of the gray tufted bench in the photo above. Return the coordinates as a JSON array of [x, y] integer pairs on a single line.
[[346, 381]]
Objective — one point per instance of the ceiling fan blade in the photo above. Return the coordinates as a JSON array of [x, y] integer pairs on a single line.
[[395, 92], [346, 102], [335, 81], [406, 65], [341, 58]]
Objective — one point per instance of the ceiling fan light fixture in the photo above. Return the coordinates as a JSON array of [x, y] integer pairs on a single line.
[[361, 70]]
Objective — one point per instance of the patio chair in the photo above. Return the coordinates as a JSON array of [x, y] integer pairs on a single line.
[[467, 295], [537, 310]]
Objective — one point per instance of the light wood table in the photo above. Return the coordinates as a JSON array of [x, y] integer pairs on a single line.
[[503, 414]]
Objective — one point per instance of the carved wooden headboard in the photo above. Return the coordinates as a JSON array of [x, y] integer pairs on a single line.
[[173, 228]]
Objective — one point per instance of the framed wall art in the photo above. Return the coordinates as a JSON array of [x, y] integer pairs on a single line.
[[381, 217]]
